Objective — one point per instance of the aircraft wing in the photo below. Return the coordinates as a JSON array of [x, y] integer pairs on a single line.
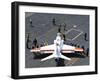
[[45, 49], [50, 49], [70, 49]]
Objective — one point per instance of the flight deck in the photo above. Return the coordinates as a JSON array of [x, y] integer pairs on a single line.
[[43, 28]]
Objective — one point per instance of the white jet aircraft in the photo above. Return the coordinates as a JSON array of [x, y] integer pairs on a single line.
[[57, 49]]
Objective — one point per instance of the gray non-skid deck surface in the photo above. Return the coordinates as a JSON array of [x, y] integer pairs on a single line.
[[72, 34], [44, 31]]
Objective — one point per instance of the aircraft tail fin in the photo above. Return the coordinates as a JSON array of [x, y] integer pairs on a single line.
[[53, 56], [64, 57], [49, 57]]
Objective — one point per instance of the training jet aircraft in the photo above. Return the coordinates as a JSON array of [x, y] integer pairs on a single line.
[[57, 49]]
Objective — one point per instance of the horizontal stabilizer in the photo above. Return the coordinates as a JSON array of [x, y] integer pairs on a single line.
[[64, 57], [49, 57]]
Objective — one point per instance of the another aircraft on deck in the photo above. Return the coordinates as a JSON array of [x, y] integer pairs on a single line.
[[57, 49]]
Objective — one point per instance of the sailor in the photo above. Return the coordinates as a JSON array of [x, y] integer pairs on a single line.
[[53, 21], [85, 37], [35, 42], [28, 41], [30, 21]]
